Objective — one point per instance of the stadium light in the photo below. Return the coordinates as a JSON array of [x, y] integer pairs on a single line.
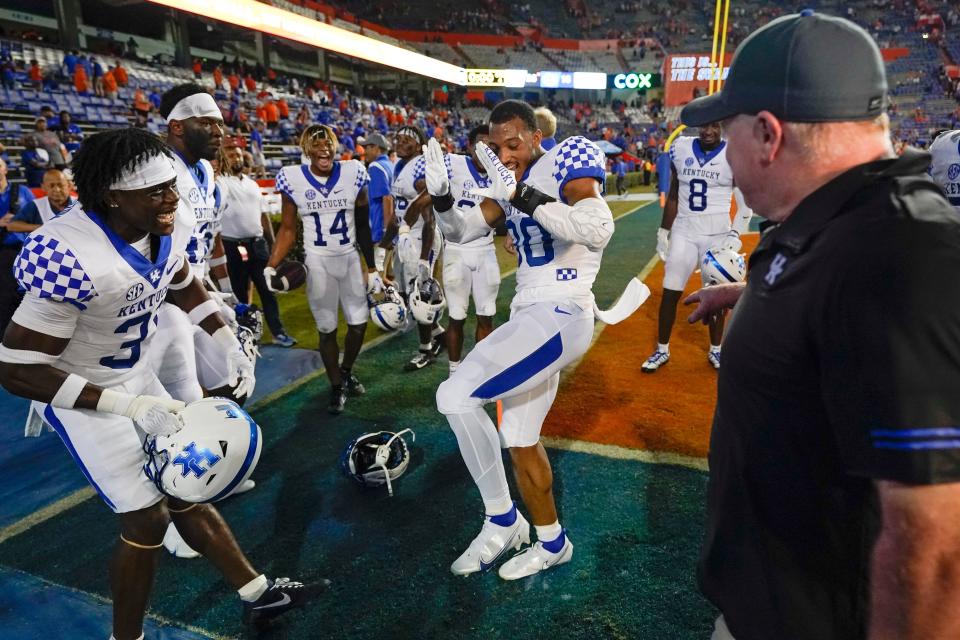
[[286, 24]]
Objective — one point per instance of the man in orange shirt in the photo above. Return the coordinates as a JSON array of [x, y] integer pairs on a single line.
[[217, 78], [141, 107], [36, 75], [283, 108], [250, 83], [234, 81], [110, 84], [272, 113], [80, 81], [120, 74]]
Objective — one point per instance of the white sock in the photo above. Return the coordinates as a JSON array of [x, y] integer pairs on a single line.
[[251, 591], [480, 448], [548, 532], [663, 347], [714, 348], [453, 365], [425, 347]]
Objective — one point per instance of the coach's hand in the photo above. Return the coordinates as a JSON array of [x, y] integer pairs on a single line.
[[663, 243], [503, 184], [156, 416], [714, 300], [438, 183]]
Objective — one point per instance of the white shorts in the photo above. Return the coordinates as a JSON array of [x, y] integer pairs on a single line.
[[406, 259], [109, 448], [684, 255], [470, 271], [519, 363], [333, 281], [172, 354]]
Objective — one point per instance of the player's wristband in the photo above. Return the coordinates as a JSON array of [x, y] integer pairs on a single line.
[[527, 199], [69, 391], [442, 203], [216, 262], [225, 285], [202, 310]]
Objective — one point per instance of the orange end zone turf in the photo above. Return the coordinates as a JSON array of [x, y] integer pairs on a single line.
[[608, 401]]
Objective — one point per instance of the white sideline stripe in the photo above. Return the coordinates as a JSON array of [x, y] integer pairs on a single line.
[[623, 453]]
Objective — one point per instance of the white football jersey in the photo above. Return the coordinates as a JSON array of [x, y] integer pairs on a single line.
[[198, 191], [76, 259], [549, 268], [326, 205], [706, 187], [464, 178], [406, 174], [945, 166]]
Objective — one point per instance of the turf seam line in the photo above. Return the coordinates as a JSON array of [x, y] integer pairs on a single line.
[[623, 453]]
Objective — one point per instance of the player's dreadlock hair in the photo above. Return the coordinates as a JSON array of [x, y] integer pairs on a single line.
[[477, 131], [104, 156], [174, 95], [316, 132], [509, 109]]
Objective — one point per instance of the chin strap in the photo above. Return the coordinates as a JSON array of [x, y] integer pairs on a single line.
[[383, 456]]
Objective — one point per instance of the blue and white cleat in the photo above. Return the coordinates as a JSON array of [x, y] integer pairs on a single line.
[[539, 557], [713, 357], [499, 533], [655, 361]]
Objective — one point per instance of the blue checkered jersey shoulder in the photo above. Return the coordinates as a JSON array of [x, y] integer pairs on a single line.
[[47, 268]]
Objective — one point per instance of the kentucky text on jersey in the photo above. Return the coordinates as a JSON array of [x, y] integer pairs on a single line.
[[150, 302]]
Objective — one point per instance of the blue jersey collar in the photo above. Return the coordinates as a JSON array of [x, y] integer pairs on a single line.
[[703, 157], [480, 178], [152, 272], [324, 189], [201, 184]]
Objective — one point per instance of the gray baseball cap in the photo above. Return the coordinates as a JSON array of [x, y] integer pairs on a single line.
[[377, 139], [804, 67]]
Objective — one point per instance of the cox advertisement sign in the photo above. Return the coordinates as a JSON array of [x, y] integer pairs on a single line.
[[635, 81]]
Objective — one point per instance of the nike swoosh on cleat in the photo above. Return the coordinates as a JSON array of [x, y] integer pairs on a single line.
[[485, 566], [285, 600], [559, 310]]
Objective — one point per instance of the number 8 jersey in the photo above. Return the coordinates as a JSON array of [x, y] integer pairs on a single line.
[[548, 268], [706, 187], [325, 204]]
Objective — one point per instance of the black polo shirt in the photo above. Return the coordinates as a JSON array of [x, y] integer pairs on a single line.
[[841, 366]]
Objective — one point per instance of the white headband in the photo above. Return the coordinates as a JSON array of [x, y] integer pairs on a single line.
[[198, 105], [147, 172]]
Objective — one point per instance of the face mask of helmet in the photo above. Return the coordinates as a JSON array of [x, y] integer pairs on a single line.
[[377, 458]]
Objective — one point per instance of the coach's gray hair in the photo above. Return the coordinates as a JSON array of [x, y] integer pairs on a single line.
[[821, 140]]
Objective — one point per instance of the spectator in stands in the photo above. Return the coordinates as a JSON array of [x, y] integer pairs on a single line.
[[244, 224], [380, 170], [97, 70], [155, 97], [249, 83], [80, 81], [217, 78], [197, 69], [283, 108], [256, 150], [68, 132], [120, 73], [234, 80], [46, 112], [141, 107], [12, 198], [110, 84], [304, 118], [6, 74], [34, 214], [69, 62], [271, 113], [36, 75], [35, 162], [619, 169], [547, 123], [49, 141]]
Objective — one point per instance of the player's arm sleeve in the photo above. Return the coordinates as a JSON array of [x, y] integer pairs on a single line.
[[462, 225], [588, 222], [889, 353]]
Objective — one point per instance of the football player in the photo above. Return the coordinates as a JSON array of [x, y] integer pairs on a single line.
[[470, 268], [94, 279], [552, 203], [696, 218], [329, 197], [417, 240], [945, 165]]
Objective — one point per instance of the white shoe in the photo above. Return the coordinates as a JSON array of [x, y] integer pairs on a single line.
[[490, 545], [655, 361], [243, 487], [713, 357], [536, 559], [175, 544]]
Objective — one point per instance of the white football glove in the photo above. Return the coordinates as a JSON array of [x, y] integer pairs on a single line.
[[240, 376], [226, 306], [503, 184], [268, 274], [663, 243], [407, 248], [732, 241], [424, 272], [156, 416], [438, 183], [374, 283], [226, 291]]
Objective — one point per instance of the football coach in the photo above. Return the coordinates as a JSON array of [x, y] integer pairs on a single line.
[[834, 493]]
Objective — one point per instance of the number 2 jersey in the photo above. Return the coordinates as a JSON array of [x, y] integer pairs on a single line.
[[549, 268], [85, 283], [464, 178], [326, 204], [407, 174], [706, 187]]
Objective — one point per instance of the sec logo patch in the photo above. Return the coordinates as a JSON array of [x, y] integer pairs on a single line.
[[134, 292], [688, 162], [310, 194], [953, 172], [194, 195]]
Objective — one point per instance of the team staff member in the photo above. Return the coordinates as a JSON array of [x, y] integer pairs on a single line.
[[12, 199], [243, 223], [39, 212], [834, 496], [380, 169]]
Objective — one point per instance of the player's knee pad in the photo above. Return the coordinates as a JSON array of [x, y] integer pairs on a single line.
[[453, 396]]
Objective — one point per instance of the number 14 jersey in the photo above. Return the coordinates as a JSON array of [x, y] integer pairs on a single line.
[[325, 205], [706, 187]]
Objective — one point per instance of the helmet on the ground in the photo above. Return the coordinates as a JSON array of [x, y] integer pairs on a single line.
[[427, 302], [378, 458], [217, 449], [722, 266], [387, 312]]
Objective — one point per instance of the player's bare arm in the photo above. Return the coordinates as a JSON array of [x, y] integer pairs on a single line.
[[287, 234]]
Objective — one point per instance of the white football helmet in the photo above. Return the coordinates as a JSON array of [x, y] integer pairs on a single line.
[[427, 304], [376, 458], [388, 313], [217, 449], [722, 266]]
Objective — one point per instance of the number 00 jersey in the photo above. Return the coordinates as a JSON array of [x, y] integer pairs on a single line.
[[325, 205], [85, 283], [706, 187], [548, 268]]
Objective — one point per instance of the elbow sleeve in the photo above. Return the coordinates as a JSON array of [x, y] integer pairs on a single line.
[[589, 222]]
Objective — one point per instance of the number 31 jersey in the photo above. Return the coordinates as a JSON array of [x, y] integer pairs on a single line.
[[325, 204], [706, 187], [549, 268]]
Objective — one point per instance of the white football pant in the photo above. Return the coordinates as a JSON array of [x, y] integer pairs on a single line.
[[469, 271], [684, 255], [332, 281]]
